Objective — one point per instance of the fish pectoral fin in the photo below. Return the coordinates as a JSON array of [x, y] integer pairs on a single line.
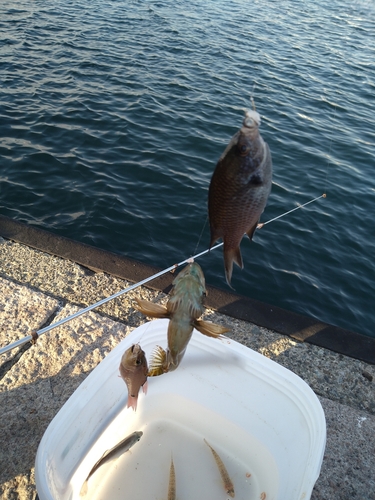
[[158, 362], [151, 309], [145, 387], [251, 231], [210, 329]]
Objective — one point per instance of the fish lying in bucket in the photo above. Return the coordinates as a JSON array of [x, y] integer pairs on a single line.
[[227, 482], [184, 307], [133, 369], [122, 447], [172, 482], [239, 189]]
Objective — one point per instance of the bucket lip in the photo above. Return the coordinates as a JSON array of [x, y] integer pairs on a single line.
[[253, 364]]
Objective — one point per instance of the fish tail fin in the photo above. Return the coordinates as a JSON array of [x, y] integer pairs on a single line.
[[210, 329], [158, 362], [231, 255], [132, 402], [150, 309]]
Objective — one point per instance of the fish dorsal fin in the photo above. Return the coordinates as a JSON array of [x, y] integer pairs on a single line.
[[158, 362]]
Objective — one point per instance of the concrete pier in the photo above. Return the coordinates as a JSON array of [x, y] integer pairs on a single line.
[[44, 278]]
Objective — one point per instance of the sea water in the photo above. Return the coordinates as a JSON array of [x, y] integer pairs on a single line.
[[113, 115]]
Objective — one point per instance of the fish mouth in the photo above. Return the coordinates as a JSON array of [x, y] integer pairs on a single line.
[[252, 119], [135, 348], [137, 353]]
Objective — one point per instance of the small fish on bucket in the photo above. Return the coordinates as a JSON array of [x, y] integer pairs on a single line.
[[133, 369], [239, 190], [184, 307], [227, 482], [120, 448]]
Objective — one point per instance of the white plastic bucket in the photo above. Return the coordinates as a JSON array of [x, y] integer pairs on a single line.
[[264, 421]]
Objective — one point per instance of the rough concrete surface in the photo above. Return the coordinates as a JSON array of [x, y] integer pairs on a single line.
[[22, 310], [35, 381]]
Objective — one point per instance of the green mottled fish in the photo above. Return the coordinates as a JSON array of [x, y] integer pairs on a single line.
[[120, 448], [184, 307], [239, 190]]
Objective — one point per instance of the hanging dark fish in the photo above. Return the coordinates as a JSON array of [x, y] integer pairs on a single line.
[[184, 307], [133, 369], [239, 189]]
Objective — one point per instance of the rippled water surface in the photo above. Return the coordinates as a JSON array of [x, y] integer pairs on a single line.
[[113, 116]]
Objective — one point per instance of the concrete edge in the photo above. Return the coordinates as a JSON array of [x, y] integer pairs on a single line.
[[297, 326]]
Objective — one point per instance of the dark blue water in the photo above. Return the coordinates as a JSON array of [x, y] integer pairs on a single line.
[[113, 115]]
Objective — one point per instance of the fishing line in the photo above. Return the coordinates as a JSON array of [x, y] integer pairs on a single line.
[[34, 336], [200, 236], [252, 97], [329, 155], [147, 326], [259, 226]]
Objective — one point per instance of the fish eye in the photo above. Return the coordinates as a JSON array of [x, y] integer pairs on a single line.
[[243, 149], [138, 362]]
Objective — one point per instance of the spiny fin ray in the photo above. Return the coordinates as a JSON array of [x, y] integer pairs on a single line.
[[157, 365]]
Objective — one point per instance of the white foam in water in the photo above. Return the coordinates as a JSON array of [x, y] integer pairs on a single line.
[[265, 423]]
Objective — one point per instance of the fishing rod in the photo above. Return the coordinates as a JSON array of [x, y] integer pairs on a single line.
[[36, 334]]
